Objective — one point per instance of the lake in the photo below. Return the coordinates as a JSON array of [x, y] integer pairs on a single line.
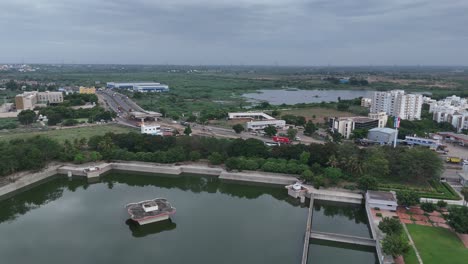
[[286, 96], [71, 221]]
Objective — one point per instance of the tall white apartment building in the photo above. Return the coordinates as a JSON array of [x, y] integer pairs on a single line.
[[397, 103], [453, 110]]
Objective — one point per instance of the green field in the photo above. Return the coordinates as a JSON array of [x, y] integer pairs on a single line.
[[317, 114], [70, 133], [437, 245]]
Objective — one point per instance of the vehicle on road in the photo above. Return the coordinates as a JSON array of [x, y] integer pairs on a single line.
[[283, 140], [453, 160]]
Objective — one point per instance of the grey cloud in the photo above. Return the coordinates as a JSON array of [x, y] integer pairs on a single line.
[[295, 32]]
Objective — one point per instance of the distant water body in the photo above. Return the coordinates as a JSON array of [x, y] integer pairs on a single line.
[[288, 96]]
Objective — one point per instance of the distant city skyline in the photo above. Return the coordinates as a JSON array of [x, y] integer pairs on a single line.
[[243, 32]]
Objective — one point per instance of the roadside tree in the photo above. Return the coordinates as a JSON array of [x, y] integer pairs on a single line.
[[188, 130], [292, 133], [238, 128], [270, 131], [27, 117], [395, 245]]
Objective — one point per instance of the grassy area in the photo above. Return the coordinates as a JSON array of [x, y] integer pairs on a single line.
[[438, 245], [70, 133], [410, 257], [430, 189], [317, 114]]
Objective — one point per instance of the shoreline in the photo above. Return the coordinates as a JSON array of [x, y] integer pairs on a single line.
[[23, 180]]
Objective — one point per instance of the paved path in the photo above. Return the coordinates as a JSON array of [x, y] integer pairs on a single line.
[[412, 244], [343, 238]]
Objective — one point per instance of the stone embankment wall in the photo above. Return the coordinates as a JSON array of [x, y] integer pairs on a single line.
[[79, 170]]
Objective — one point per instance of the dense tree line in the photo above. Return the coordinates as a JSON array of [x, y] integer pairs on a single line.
[[56, 114], [80, 99], [320, 164]]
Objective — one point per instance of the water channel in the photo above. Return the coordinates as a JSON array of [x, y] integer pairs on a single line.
[[290, 97], [71, 221]]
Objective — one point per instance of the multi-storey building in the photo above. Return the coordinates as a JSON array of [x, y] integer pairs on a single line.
[[397, 103], [87, 90], [452, 109], [346, 125], [29, 100]]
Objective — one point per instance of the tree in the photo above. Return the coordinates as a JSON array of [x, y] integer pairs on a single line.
[[376, 164], [191, 118], [367, 182], [188, 130], [304, 157], [333, 174], [342, 106], [275, 113], [310, 128], [464, 192], [390, 226], [270, 131], [458, 219], [238, 128], [428, 207], [407, 198], [27, 117], [194, 155], [359, 133], [395, 245], [215, 158], [292, 133], [307, 175], [54, 118]]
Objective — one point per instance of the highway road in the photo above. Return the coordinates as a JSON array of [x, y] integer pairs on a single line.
[[121, 104]]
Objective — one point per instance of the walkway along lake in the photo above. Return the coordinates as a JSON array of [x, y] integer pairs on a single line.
[[71, 221]]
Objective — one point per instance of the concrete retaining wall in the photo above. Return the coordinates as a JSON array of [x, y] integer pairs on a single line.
[[257, 177], [27, 180]]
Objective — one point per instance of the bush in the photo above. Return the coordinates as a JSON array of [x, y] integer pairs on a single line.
[[407, 198], [378, 214], [428, 207], [395, 245], [194, 155], [70, 122], [318, 182], [215, 158], [458, 219], [367, 183], [441, 204], [390, 226]]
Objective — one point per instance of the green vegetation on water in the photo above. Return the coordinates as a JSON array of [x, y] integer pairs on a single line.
[[438, 245]]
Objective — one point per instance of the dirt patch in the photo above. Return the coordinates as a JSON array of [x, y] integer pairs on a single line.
[[464, 239]]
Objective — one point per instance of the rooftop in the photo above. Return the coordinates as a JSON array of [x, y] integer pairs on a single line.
[[383, 129], [383, 196]]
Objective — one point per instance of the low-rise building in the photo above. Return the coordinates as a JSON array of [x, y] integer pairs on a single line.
[[250, 115], [346, 125], [259, 125], [426, 142], [384, 135], [381, 200], [366, 102], [87, 90], [7, 107], [151, 129], [143, 87]]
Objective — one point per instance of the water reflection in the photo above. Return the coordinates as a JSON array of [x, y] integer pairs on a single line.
[[150, 229]]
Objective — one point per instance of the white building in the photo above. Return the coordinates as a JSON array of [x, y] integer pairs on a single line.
[[397, 103], [366, 102], [346, 125], [381, 200], [259, 125], [452, 109], [250, 115], [384, 135], [143, 87], [151, 129]]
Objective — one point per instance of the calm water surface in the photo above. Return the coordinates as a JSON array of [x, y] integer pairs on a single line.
[[64, 221], [277, 97]]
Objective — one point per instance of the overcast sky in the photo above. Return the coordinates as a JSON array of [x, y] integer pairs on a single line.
[[259, 32]]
